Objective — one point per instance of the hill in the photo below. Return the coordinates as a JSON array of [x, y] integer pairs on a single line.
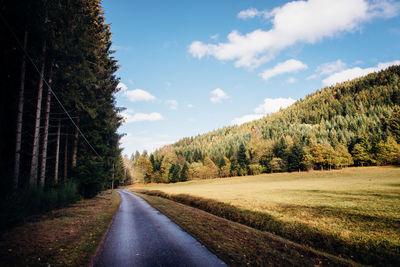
[[353, 123]]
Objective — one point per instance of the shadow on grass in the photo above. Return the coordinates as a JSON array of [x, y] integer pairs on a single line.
[[368, 252], [353, 216], [354, 195], [395, 185]]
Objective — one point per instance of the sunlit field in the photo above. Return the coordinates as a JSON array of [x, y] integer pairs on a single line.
[[360, 206]]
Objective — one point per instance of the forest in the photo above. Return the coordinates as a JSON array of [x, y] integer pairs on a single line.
[[59, 117], [355, 123]]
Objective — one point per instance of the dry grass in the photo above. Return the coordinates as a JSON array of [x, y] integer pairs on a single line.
[[354, 212], [237, 244], [63, 237]]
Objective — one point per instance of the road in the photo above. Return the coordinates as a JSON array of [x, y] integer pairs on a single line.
[[141, 236]]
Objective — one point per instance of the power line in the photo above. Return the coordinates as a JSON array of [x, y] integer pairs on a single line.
[[48, 85]]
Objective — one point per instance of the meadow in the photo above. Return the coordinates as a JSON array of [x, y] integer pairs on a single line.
[[353, 212]]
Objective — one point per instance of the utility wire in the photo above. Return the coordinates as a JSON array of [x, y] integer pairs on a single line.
[[44, 80]]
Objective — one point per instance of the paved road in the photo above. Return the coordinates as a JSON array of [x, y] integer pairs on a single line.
[[141, 236]]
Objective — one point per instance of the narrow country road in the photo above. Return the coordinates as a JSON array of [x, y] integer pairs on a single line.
[[141, 236]]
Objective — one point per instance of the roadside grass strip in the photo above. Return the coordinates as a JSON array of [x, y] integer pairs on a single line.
[[62, 237]]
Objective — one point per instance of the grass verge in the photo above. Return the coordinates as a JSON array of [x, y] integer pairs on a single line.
[[368, 253], [63, 237], [237, 244]]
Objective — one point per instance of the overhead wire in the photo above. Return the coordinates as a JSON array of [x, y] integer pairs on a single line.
[[47, 84]]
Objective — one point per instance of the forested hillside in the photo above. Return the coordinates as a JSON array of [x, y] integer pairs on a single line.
[[352, 123], [63, 45]]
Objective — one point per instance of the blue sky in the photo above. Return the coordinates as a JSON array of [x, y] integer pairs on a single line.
[[188, 67]]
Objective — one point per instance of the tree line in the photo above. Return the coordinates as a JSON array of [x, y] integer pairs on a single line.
[[59, 118], [355, 123]]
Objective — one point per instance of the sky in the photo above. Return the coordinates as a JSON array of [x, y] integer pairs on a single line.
[[189, 67]]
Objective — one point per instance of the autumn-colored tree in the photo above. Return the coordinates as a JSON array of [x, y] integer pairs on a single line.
[[360, 155], [308, 159], [276, 164], [344, 157], [144, 169], [225, 168], [211, 170], [387, 152], [168, 160]]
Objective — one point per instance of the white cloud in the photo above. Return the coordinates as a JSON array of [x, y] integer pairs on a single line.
[[139, 95], [127, 115], [290, 65], [295, 22], [252, 13], [131, 143], [311, 77], [130, 117], [331, 67], [172, 103], [328, 68], [246, 118], [190, 106], [356, 72], [270, 105], [217, 95], [154, 116], [291, 80], [384, 8], [122, 86], [214, 37]]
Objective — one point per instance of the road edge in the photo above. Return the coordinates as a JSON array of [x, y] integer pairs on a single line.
[[91, 264]]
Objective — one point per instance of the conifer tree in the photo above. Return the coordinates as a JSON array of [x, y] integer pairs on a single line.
[[184, 173], [394, 123]]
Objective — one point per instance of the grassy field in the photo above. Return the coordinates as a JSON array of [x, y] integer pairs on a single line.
[[356, 210], [62, 237]]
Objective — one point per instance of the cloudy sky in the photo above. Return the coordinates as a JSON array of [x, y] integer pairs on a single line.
[[188, 67]]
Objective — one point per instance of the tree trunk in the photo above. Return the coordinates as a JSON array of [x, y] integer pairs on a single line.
[[57, 153], [75, 147], [20, 113], [45, 134], [66, 158], [35, 149]]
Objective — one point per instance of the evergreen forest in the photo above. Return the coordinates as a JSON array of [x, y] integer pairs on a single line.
[[59, 118], [355, 123]]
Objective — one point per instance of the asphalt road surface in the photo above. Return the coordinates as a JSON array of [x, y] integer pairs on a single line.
[[141, 236]]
